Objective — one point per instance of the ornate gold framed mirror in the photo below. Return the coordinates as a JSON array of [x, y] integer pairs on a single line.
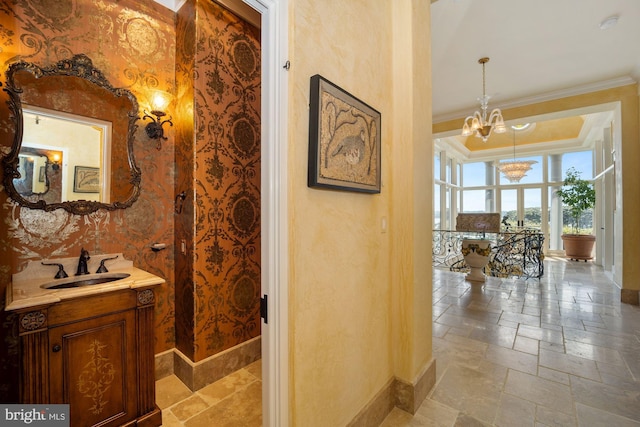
[[73, 142]]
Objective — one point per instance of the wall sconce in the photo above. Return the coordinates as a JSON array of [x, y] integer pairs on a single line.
[[55, 165], [159, 102]]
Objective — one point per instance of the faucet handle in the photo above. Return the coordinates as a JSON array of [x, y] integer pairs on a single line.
[[61, 274], [102, 268]]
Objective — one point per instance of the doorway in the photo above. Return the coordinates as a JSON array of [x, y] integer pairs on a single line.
[[522, 207], [274, 272]]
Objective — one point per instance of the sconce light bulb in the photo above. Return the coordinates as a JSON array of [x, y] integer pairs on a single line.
[[56, 157], [159, 101]]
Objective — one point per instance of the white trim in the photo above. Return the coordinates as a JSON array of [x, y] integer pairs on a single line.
[[603, 173], [449, 141], [243, 10], [543, 97], [275, 234], [174, 5]]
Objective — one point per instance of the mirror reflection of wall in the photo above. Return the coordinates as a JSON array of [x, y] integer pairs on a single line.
[[32, 178], [40, 176], [85, 143]]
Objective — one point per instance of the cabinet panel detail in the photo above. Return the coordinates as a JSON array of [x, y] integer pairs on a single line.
[[145, 297], [147, 397], [96, 377], [34, 387], [97, 368], [32, 321]]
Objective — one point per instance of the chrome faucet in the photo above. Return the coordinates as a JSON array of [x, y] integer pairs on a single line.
[[82, 262]]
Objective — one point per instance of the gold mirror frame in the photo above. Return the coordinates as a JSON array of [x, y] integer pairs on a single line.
[[78, 66]]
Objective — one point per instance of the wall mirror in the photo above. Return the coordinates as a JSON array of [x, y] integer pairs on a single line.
[[73, 142]]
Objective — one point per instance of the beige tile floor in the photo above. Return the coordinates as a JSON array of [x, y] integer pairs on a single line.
[[559, 351], [233, 401], [562, 351]]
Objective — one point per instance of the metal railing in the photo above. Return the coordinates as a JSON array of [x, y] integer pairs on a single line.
[[513, 254]]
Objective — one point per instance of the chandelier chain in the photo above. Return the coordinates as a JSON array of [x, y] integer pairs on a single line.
[[484, 83]]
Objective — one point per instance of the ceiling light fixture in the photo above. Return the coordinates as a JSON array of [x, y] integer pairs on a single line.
[[478, 123], [514, 170]]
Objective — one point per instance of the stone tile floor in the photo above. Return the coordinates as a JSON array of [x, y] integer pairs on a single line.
[[233, 401], [559, 351]]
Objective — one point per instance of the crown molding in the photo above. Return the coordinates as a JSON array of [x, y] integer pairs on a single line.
[[548, 96], [239, 7], [174, 5]]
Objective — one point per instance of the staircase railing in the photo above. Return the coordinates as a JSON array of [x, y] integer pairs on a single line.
[[513, 253]]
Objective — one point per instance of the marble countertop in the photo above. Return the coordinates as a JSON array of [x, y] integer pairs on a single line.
[[28, 288]]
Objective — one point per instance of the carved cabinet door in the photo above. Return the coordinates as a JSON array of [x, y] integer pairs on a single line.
[[93, 368]]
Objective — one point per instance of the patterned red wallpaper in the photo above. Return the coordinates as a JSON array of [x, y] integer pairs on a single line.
[[218, 162], [211, 62], [133, 43]]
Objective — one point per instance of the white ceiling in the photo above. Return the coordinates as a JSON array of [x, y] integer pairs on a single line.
[[537, 47]]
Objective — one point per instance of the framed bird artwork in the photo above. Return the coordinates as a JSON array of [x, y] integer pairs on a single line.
[[344, 140]]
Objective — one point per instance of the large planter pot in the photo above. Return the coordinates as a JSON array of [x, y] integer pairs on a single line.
[[476, 255], [578, 246]]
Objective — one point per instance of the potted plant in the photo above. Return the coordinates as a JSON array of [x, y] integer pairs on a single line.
[[579, 196]]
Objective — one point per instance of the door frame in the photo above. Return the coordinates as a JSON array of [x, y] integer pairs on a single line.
[[274, 213], [520, 206]]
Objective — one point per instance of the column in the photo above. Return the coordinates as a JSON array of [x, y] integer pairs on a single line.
[[489, 195], [555, 218]]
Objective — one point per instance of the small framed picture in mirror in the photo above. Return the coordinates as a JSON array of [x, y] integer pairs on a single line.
[[86, 180]]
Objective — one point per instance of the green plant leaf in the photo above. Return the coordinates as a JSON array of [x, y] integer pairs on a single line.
[[578, 195]]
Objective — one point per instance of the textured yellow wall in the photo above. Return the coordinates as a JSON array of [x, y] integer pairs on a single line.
[[343, 324], [412, 177]]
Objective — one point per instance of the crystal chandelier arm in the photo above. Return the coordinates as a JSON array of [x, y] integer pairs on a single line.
[[471, 124], [499, 126], [496, 114], [466, 128], [477, 121]]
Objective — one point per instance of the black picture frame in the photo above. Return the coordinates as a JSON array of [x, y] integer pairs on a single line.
[[344, 140]]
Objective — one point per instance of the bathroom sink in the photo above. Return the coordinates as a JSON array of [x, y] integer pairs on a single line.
[[85, 280]]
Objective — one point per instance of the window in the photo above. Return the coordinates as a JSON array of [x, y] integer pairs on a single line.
[[436, 206], [474, 174], [582, 161], [473, 201]]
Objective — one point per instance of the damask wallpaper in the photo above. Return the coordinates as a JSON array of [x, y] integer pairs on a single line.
[[218, 163], [133, 43], [210, 61]]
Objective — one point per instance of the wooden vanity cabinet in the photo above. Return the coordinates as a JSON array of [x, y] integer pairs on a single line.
[[95, 353]]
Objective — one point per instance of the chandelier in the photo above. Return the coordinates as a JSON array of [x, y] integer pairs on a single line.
[[478, 123], [514, 170]]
